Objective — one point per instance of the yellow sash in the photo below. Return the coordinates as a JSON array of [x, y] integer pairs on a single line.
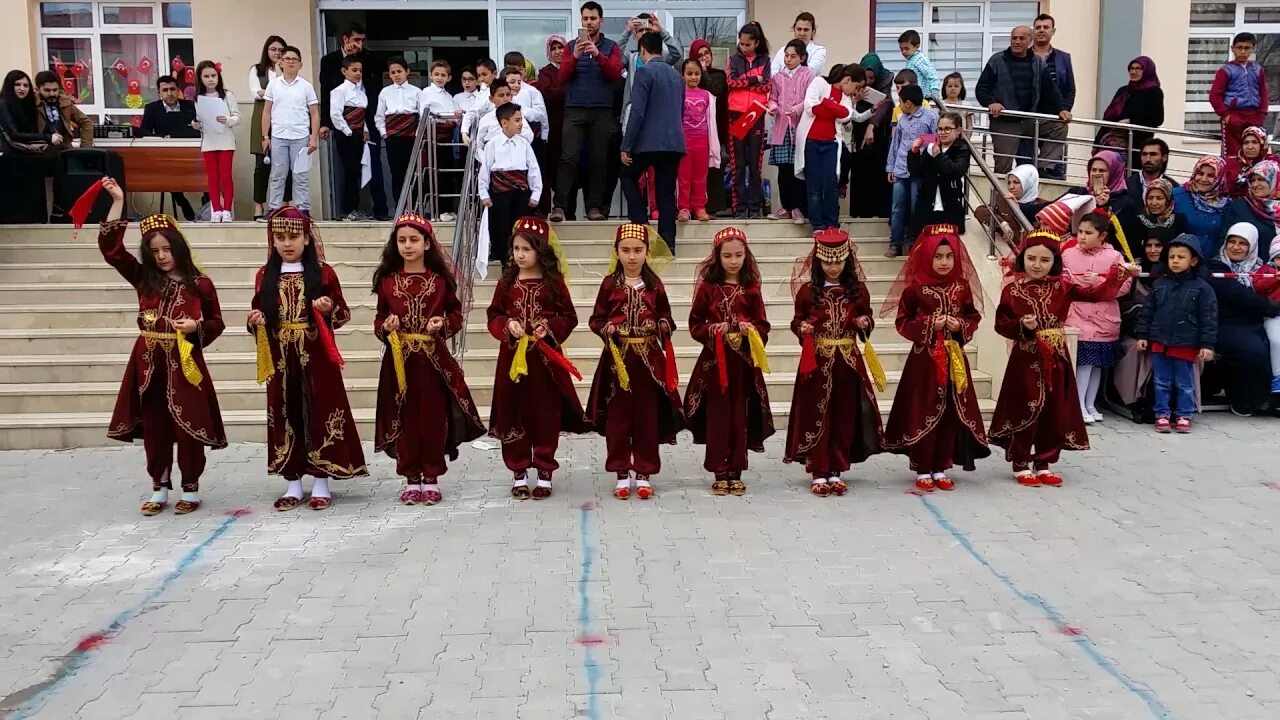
[[190, 370]]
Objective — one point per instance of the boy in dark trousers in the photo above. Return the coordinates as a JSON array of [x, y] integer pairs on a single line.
[[1179, 324], [510, 180], [1239, 93]]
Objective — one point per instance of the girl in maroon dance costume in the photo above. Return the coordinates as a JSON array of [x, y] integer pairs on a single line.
[[935, 420], [1038, 414], [167, 395], [534, 399], [425, 409], [727, 402], [297, 304], [634, 403], [835, 420]]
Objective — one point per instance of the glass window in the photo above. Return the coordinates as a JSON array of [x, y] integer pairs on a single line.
[[72, 59], [958, 37], [1209, 47], [959, 52], [1266, 14], [1204, 57], [120, 56], [957, 14], [127, 15], [527, 34], [1012, 14], [897, 14], [890, 55], [721, 32], [66, 14], [176, 14], [1213, 14]]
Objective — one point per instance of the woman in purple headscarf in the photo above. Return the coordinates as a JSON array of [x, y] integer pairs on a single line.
[[1141, 102], [553, 91]]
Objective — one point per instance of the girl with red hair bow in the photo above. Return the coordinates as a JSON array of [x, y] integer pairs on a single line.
[[935, 420], [297, 304], [727, 402]]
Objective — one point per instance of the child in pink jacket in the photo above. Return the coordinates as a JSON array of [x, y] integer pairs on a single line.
[[786, 105], [1087, 263], [702, 147]]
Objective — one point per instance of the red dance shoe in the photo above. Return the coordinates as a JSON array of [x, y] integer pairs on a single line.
[[1163, 425], [431, 497], [820, 488], [1051, 479], [945, 483], [644, 492], [837, 486], [1028, 480], [924, 484], [410, 497]]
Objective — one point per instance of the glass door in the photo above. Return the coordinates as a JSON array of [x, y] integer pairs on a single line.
[[719, 26], [526, 32]]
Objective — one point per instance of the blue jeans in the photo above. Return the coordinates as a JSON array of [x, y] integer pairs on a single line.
[[283, 156], [820, 183], [905, 191], [1172, 373]]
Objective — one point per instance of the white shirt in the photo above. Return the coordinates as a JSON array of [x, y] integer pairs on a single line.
[[256, 89], [394, 100], [490, 129], [466, 101], [342, 97], [510, 153], [817, 58], [438, 102], [291, 107], [480, 105], [218, 136], [533, 107]]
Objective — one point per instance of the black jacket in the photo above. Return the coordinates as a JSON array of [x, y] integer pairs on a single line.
[[17, 126], [942, 175], [159, 122], [1182, 311]]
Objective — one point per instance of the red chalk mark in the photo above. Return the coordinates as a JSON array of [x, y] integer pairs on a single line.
[[1273, 486], [916, 491], [239, 512], [1072, 630], [90, 642], [589, 640], [588, 505]]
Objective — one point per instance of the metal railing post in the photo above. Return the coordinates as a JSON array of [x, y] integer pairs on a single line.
[[1035, 145]]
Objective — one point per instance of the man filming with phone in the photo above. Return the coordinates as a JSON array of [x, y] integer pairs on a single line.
[[643, 24], [588, 74]]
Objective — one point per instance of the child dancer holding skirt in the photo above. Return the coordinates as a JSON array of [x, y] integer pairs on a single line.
[[297, 304], [425, 409], [835, 420], [634, 403], [935, 420], [727, 402]]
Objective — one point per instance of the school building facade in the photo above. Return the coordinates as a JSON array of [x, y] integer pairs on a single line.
[[109, 53]]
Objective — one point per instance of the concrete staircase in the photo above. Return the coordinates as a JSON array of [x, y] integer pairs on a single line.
[[67, 320]]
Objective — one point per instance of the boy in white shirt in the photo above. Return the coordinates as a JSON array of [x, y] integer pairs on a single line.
[[486, 75], [290, 131], [490, 128], [465, 100], [438, 102], [510, 179], [348, 105], [399, 112], [532, 105]]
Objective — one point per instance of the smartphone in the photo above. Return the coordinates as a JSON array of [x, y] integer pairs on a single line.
[[644, 20], [583, 35], [1098, 186]]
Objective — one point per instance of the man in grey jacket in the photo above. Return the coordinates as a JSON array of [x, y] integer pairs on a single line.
[[640, 25], [1017, 79]]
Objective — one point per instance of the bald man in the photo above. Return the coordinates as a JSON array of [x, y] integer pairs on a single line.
[[1017, 79]]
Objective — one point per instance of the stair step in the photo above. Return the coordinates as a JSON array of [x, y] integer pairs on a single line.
[[57, 431]]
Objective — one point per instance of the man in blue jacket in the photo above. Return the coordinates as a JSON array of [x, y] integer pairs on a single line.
[[654, 137], [1052, 134]]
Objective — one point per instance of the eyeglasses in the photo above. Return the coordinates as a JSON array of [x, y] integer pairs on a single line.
[[942, 129], [291, 60], [704, 52]]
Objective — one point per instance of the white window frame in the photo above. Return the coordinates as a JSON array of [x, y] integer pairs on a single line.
[[984, 28], [94, 34], [1226, 32]]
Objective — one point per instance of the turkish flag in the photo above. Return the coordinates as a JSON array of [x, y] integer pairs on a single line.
[[70, 86], [121, 69], [78, 69], [144, 65], [59, 67], [741, 127]]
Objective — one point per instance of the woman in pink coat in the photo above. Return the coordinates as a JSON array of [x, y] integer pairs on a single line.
[[1098, 323], [786, 105]]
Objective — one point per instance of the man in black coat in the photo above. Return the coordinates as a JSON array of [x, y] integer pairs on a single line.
[[353, 41], [1154, 155], [942, 168], [171, 117]]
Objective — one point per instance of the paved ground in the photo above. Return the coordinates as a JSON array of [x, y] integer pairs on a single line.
[[1146, 587]]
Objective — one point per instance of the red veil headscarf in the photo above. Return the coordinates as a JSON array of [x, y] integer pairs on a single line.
[[292, 220], [918, 270]]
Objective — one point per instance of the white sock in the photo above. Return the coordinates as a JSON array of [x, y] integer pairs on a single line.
[[1083, 374], [413, 486], [544, 482], [1022, 473], [643, 482], [295, 489], [320, 488], [938, 475], [431, 487], [522, 481], [624, 483], [190, 497], [160, 496], [1042, 472], [1091, 393]]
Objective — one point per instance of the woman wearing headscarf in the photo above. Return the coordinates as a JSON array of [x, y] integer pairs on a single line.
[[1131, 385], [1140, 102], [869, 145], [716, 82], [1022, 185], [1244, 354], [1158, 218], [553, 92], [1260, 208], [1107, 186], [1202, 200], [1254, 148], [23, 162]]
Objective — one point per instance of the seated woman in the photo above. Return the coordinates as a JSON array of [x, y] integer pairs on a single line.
[[1202, 200], [24, 158], [1159, 219], [1244, 354], [1108, 187], [1139, 102], [1022, 186], [1253, 150], [1260, 208]]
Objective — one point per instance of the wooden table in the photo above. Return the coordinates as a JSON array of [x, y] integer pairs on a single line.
[[159, 164]]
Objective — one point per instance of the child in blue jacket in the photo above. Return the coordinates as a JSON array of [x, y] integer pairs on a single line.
[[1179, 323]]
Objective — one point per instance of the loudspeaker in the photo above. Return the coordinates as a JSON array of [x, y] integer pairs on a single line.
[[78, 169]]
